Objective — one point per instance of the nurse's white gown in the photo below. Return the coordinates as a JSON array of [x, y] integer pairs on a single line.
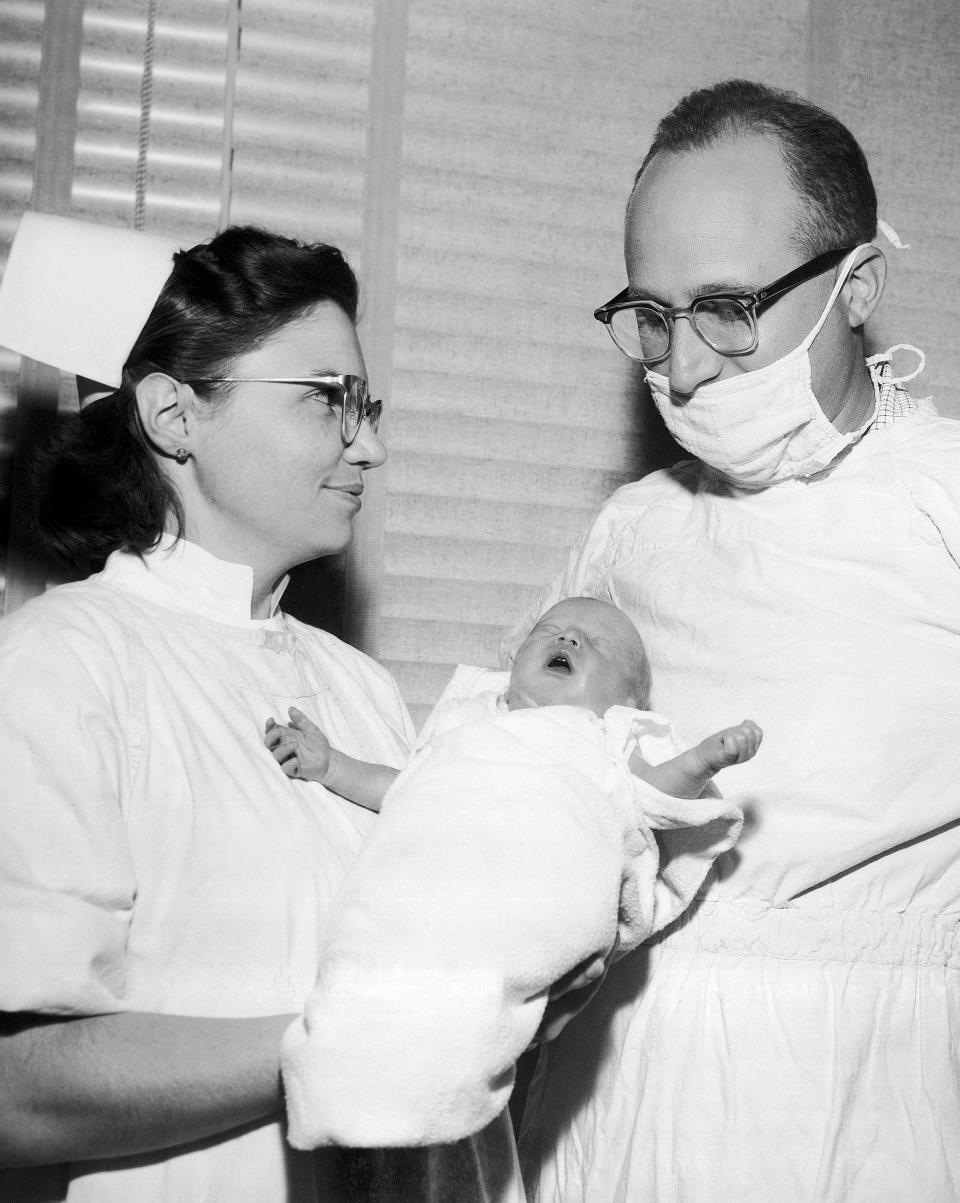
[[154, 857]]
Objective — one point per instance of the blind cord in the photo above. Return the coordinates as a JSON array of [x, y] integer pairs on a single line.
[[143, 132]]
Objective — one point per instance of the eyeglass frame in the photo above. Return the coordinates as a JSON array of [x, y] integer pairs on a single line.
[[370, 411], [750, 301]]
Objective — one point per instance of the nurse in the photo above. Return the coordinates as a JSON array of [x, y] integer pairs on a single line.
[[163, 887]]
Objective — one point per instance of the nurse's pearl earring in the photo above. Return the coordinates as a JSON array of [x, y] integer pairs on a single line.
[[181, 455]]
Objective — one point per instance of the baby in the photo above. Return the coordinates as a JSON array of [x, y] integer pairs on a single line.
[[581, 652], [518, 843]]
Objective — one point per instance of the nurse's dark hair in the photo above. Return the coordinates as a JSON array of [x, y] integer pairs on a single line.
[[101, 487], [824, 162]]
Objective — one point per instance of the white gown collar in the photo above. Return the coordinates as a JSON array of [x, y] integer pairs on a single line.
[[183, 576]]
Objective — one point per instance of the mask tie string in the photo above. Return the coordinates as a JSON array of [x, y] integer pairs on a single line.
[[891, 235], [875, 363]]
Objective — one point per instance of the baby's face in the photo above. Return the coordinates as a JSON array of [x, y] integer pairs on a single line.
[[582, 652]]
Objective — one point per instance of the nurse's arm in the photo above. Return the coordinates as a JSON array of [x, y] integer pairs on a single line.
[[111, 1085]]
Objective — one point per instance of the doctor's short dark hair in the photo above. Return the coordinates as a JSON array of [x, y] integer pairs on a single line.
[[101, 487], [823, 160]]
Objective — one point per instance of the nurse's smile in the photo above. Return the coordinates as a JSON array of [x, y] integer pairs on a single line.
[[350, 493]]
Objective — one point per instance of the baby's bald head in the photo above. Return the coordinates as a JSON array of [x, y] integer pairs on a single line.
[[581, 652]]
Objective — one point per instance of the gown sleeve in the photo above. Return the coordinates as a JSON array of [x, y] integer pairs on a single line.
[[66, 879], [937, 497]]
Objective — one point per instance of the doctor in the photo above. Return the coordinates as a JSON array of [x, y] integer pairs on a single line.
[[794, 1036]]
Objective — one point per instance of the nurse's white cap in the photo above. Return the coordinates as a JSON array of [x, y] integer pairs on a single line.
[[76, 295]]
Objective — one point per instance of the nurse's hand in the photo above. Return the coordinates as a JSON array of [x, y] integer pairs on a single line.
[[571, 993]]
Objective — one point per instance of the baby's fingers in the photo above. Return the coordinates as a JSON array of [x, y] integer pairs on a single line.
[[740, 743], [752, 736], [282, 746], [275, 732]]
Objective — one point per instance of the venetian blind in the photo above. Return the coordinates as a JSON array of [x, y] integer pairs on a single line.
[[162, 95], [20, 26]]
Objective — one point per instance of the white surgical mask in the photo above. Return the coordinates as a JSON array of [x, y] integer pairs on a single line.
[[759, 428]]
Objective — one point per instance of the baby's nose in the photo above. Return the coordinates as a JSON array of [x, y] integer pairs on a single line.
[[572, 637]]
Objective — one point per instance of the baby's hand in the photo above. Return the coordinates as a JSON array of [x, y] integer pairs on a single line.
[[732, 745], [686, 775], [300, 748]]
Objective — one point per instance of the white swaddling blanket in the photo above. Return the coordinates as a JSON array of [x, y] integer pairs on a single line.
[[510, 849]]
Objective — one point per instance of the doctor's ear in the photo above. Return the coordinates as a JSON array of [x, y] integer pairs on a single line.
[[166, 409], [864, 286]]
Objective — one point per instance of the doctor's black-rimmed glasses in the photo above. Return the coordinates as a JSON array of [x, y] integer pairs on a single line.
[[726, 321]]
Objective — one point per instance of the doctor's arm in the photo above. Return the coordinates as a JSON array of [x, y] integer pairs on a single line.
[[114, 1085]]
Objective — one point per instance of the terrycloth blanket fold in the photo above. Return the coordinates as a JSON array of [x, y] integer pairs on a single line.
[[507, 852]]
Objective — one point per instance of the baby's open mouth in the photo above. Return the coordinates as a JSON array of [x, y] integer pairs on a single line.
[[560, 662]]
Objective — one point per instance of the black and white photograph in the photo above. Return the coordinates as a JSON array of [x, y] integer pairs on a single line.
[[479, 601]]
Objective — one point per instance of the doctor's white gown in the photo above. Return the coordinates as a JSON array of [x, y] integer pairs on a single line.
[[794, 1036]]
